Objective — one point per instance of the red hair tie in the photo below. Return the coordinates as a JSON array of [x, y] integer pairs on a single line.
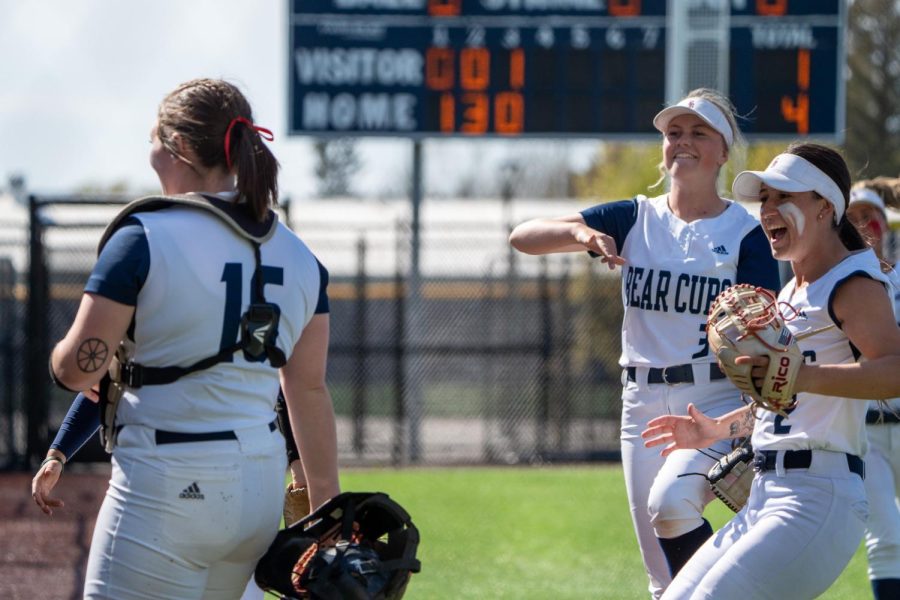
[[266, 134]]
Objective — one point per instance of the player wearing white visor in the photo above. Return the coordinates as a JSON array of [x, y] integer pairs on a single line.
[[677, 252], [867, 211], [807, 509]]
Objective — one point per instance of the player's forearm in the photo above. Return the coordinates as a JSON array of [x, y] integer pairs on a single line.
[[312, 417], [737, 423], [545, 236], [877, 379]]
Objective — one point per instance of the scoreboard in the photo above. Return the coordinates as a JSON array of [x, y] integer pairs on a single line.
[[552, 68]]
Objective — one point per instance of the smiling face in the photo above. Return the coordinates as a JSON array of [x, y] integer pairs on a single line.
[[692, 148], [790, 220]]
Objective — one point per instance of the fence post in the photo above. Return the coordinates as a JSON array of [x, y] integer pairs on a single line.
[[360, 345], [543, 413], [36, 342], [397, 448], [564, 383], [7, 285]]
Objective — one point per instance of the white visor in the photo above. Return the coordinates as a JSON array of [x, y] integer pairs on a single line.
[[790, 173], [711, 114], [866, 196]]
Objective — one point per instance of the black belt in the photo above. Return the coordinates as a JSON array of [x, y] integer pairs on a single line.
[[176, 437], [676, 374], [882, 418], [765, 460]]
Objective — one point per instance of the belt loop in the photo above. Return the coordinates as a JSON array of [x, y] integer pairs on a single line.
[[701, 372], [779, 463]]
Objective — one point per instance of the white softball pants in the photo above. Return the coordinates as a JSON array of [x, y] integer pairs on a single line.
[[186, 520], [882, 489], [662, 503], [793, 539]]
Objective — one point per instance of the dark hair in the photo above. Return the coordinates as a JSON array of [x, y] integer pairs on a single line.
[[201, 111], [888, 188], [830, 162]]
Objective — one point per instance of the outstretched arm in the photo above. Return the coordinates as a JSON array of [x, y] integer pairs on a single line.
[[696, 430], [564, 234], [872, 330]]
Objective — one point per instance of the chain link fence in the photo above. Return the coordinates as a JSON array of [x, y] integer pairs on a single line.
[[484, 356]]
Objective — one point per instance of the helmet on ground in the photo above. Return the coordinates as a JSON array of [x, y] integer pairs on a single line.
[[358, 546]]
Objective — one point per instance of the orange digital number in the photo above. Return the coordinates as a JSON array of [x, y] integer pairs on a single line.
[[517, 68], [509, 113], [771, 8], [797, 111], [439, 68], [444, 8], [474, 68], [624, 8], [474, 114], [448, 113]]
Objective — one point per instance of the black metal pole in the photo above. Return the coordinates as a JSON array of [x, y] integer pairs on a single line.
[[360, 345], [36, 342], [7, 285], [399, 358], [543, 415]]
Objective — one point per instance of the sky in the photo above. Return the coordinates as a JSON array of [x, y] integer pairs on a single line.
[[80, 82]]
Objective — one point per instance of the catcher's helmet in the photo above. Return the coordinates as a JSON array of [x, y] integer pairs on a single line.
[[358, 545]]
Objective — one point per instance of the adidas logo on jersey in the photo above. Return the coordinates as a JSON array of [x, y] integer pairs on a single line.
[[191, 492], [720, 249]]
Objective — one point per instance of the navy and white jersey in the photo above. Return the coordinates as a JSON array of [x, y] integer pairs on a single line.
[[673, 272], [188, 274], [894, 277], [820, 422]]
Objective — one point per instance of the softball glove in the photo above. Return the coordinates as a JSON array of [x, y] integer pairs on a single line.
[[745, 320]]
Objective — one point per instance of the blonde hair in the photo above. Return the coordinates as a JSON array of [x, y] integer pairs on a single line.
[[728, 110], [887, 188]]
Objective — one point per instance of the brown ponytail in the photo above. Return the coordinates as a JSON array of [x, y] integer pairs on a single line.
[[209, 112]]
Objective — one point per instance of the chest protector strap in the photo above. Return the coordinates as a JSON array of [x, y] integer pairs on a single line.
[[259, 325]]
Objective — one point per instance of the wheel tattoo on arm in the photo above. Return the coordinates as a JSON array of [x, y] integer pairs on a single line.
[[92, 354]]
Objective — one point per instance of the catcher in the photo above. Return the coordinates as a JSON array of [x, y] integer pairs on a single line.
[[807, 508]]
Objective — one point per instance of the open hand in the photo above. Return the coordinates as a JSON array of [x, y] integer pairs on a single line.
[[678, 432], [43, 483]]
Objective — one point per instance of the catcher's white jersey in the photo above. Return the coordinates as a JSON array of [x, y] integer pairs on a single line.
[[817, 421], [189, 307], [673, 272]]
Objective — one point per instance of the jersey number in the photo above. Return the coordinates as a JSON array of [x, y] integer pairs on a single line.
[[780, 427], [233, 276], [704, 343]]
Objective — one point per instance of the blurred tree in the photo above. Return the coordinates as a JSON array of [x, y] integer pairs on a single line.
[[873, 89], [114, 188], [620, 171], [336, 163]]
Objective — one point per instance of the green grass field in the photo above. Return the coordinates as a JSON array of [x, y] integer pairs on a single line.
[[532, 533]]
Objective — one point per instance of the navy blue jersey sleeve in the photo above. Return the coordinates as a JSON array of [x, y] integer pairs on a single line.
[[322, 304], [756, 265], [81, 423], [615, 219], [122, 267]]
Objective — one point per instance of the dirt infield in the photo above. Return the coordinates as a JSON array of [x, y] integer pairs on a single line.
[[40, 556]]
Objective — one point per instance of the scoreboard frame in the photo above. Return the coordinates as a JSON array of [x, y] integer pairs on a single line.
[[510, 69]]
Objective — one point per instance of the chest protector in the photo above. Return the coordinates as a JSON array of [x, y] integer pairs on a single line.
[[259, 324]]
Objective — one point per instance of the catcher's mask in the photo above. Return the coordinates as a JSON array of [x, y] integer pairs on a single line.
[[358, 546]]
